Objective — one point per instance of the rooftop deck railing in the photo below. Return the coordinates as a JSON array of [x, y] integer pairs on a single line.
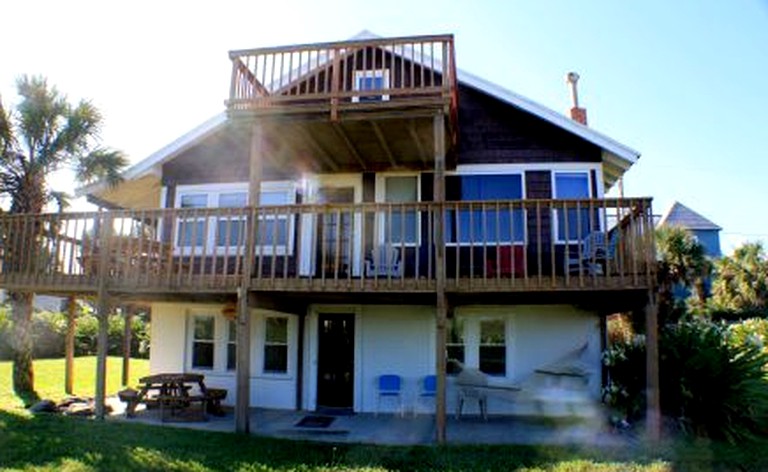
[[489, 246], [361, 75]]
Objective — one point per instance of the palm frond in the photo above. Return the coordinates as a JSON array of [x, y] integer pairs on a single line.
[[100, 164]]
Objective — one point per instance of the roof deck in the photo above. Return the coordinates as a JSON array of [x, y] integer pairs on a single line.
[[513, 246], [348, 79]]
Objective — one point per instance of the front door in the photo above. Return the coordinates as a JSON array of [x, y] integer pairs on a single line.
[[334, 238], [336, 360]]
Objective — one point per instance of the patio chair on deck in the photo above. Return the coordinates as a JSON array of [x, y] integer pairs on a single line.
[[427, 393], [384, 262], [390, 387], [595, 254]]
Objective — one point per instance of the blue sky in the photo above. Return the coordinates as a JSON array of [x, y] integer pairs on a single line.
[[684, 82]]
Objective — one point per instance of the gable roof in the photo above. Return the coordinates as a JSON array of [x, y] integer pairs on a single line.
[[617, 157], [681, 216]]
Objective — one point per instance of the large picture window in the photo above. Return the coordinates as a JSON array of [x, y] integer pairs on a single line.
[[574, 223], [203, 341], [225, 232], [485, 223], [276, 345]]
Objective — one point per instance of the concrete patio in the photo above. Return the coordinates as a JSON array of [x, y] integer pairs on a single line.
[[388, 429]]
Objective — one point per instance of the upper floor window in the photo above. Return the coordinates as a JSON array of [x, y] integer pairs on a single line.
[[400, 223], [575, 222], [227, 230], [499, 220], [373, 79]]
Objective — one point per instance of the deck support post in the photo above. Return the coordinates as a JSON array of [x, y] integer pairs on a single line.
[[653, 403], [127, 335], [243, 369], [441, 301], [102, 312], [69, 345]]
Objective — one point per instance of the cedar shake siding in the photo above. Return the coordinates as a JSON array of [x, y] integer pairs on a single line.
[[492, 132]]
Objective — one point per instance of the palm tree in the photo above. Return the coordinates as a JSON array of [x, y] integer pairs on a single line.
[[681, 261], [44, 134], [741, 285]]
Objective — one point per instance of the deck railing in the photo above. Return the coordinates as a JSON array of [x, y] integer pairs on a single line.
[[351, 75], [489, 246]]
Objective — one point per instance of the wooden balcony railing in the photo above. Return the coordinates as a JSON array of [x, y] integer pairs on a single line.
[[359, 75], [489, 246]]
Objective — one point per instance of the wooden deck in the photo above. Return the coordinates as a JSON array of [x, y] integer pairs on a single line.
[[489, 247]]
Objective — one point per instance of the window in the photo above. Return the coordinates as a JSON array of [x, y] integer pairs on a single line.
[[222, 233], [401, 224], [574, 221], [493, 349], [276, 345], [231, 345], [377, 80], [202, 342], [502, 223], [455, 345]]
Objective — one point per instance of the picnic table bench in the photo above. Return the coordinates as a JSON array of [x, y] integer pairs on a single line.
[[175, 394]]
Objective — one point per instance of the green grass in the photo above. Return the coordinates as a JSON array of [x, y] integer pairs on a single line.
[[49, 378], [53, 443]]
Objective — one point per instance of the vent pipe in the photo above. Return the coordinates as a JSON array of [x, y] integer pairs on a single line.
[[577, 113]]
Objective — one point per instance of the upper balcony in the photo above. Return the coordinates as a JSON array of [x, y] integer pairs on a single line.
[[346, 80], [486, 247]]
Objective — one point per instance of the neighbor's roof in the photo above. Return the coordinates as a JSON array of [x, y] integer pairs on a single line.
[[618, 154], [681, 216]]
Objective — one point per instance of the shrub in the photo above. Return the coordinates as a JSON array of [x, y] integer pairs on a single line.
[[712, 379]]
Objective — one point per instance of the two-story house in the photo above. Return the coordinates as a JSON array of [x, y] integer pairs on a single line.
[[363, 208]]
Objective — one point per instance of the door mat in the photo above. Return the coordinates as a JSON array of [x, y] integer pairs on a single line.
[[315, 421]]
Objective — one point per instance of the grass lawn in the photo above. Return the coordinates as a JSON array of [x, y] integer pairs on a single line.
[[49, 378], [52, 443]]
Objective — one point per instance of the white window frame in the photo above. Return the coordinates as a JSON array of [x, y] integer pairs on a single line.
[[555, 220], [265, 344], [372, 73], [213, 191], [491, 169], [229, 342], [505, 330], [191, 320], [381, 194]]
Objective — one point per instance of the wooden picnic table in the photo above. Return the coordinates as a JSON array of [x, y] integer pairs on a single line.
[[175, 394]]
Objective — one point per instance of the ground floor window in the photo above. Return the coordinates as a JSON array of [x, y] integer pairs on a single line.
[[276, 345], [455, 346], [231, 345], [493, 347], [203, 341]]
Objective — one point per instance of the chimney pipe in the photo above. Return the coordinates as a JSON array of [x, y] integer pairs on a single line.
[[577, 113]]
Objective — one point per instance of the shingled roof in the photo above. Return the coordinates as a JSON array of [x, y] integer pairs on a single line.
[[682, 216]]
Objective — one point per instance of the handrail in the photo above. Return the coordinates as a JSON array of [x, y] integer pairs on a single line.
[[488, 245]]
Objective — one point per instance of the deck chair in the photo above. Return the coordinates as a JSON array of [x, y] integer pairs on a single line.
[[427, 393], [595, 254], [384, 262], [390, 388]]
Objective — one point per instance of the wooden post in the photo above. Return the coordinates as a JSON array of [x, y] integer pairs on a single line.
[[441, 302], [127, 335], [69, 345], [243, 369], [102, 312], [653, 403]]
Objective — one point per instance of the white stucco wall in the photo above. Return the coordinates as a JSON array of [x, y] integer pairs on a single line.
[[171, 344], [388, 339]]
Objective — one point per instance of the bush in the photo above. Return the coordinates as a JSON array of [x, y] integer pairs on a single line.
[[712, 379]]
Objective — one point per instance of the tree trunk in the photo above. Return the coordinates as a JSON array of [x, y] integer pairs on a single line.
[[21, 343]]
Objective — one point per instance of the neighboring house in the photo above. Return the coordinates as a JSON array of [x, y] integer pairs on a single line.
[[407, 212], [705, 231], [41, 302]]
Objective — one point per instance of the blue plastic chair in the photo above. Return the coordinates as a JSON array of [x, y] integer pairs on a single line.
[[428, 391], [390, 387]]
